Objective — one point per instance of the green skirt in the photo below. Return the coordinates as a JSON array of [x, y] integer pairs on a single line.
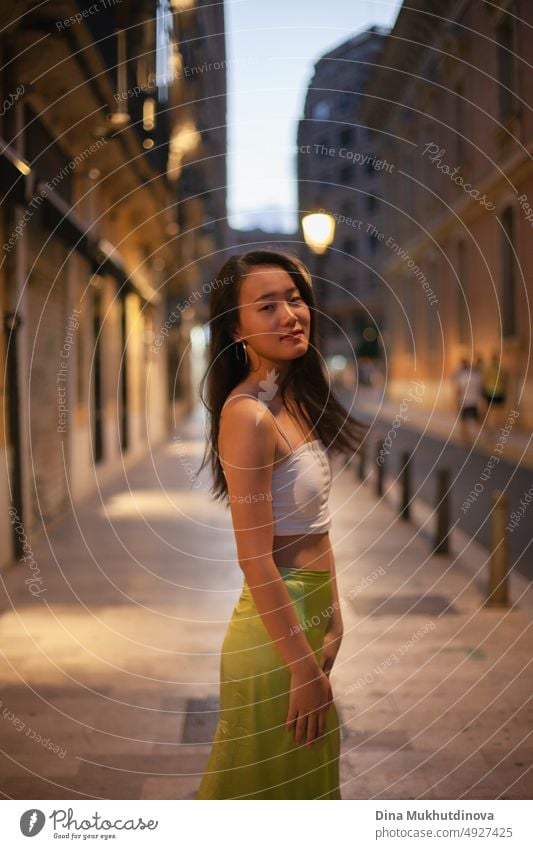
[[253, 756]]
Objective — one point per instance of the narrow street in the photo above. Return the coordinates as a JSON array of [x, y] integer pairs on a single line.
[[109, 678]]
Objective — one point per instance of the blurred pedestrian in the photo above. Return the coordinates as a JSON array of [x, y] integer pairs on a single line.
[[366, 370], [494, 390], [468, 382]]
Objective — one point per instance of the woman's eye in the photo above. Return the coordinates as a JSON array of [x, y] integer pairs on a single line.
[[293, 300]]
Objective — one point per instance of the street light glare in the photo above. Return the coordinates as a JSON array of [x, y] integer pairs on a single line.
[[318, 229]]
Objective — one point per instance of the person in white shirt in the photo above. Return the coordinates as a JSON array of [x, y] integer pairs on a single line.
[[468, 382]]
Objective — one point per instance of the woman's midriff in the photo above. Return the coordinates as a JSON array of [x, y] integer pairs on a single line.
[[303, 552]]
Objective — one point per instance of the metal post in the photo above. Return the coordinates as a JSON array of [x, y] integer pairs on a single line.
[[499, 553], [380, 456], [442, 507], [405, 509]]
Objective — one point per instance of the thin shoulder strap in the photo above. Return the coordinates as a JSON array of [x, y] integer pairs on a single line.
[[247, 394]]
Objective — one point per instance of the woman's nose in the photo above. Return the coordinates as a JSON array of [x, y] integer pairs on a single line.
[[288, 313]]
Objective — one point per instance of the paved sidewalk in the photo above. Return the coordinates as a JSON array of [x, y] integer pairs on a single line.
[[109, 680], [433, 687]]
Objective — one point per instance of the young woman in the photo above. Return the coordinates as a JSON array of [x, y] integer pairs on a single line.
[[272, 422]]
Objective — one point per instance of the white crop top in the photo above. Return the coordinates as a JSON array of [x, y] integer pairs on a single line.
[[301, 483]]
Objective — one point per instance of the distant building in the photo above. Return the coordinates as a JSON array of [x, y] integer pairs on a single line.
[[339, 172], [241, 241], [450, 107], [202, 185]]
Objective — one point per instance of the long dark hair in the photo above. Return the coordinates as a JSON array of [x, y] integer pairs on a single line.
[[340, 432]]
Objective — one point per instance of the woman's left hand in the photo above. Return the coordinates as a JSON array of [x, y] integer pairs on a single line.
[[332, 643]]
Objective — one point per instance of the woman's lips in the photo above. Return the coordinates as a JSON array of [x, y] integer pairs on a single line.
[[294, 336]]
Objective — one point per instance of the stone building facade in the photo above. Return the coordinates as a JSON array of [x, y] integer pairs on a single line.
[[96, 130], [339, 172], [451, 107]]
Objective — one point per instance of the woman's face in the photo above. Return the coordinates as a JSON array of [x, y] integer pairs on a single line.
[[270, 307]]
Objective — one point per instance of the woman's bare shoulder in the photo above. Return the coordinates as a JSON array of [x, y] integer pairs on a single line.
[[243, 399], [244, 391], [244, 427], [245, 410]]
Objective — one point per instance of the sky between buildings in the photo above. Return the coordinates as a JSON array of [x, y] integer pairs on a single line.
[[272, 46]]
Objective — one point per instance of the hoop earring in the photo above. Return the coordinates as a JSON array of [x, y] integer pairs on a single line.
[[243, 349]]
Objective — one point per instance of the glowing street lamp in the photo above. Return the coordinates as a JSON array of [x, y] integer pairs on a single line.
[[319, 230]]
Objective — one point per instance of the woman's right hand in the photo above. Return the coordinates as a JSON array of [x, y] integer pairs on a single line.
[[309, 700]]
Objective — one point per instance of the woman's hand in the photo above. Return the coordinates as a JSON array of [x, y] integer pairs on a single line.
[[330, 648], [310, 698]]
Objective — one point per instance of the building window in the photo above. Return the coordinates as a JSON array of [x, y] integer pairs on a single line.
[[43, 148], [432, 324], [344, 101], [322, 147], [372, 243], [80, 360], [508, 275], [97, 377], [348, 246], [463, 313], [408, 317], [164, 48], [346, 289], [346, 136], [345, 174], [321, 109], [459, 122], [348, 209], [506, 38], [407, 190], [369, 166]]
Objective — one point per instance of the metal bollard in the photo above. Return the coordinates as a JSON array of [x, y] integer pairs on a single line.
[[405, 509], [441, 541], [499, 553], [379, 467]]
